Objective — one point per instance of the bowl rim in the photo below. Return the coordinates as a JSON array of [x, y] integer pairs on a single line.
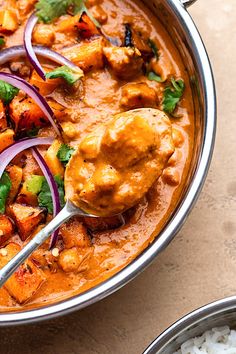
[[179, 216], [189, 320]]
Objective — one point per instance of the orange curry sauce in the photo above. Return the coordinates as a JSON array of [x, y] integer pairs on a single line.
[[94, 101]]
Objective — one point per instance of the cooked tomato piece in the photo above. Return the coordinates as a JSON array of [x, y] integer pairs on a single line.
[[86, 27]]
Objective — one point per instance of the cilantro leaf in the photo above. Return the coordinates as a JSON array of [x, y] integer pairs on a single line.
[[154, 48], [154, 77], [34, 184], [5, 187], [2, 41], [64, 153], [48, 10], [45, 197], [69, 75], [7, 92], [172, 95]]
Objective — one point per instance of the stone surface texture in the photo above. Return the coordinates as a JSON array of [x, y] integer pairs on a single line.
[[198, 267]]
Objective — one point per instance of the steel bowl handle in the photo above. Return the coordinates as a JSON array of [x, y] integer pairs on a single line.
[[187, 3]]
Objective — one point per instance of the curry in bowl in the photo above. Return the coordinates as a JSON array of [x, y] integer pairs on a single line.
[[96, 107]]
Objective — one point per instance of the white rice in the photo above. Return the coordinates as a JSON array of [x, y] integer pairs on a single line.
[[216, 341]]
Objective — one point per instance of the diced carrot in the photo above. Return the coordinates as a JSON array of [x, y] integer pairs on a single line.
[[26, 114], [27, 218], [52, 160], [87, 56], [6, 229], [8, 21], [45, 87], [15, 173], [6, 138], [23, 284]]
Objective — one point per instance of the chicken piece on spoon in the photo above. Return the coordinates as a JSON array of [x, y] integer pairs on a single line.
[[112, 169], [115, 166]]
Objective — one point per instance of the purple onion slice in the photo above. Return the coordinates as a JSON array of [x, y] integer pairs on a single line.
[[53, 188], [33, 93], [11, 53], [33, 19], [11, 151]]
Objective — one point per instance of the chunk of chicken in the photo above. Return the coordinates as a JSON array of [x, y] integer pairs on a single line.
[[116, 165], [6, 229], [126, 62], [138, 95]]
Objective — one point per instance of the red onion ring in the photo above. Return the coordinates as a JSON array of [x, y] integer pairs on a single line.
[[33, 93], [53, 188], [10, 53], [11, 151], [33, 19]]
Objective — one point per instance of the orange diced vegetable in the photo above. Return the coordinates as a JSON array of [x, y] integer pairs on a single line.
[[6, 229], [87, 56], [27, 218], [86, 27], [45, 87], [6, 138], [26, 197], [26, 114], [15, 173], [74, 234], [23, 284], [68, 25], [52, 160], [8, 21], [3, 119]]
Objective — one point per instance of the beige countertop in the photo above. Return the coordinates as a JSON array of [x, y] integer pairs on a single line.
[[198, 267]]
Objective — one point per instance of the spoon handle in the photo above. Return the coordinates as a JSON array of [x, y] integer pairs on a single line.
[[66, 213]]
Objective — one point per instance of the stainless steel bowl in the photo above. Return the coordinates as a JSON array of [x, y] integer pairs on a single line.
[[182, 29], [216, 314]]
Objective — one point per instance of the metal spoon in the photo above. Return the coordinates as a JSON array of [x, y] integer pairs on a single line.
[[66, 213]]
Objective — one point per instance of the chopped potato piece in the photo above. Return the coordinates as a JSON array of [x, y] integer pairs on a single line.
[[45, 87], [15, 173], [8, 21], [23, 284], [27, 218], [87, 56], [44, 35], [52, 160], [6, 229], [6, 138], [26, 197]]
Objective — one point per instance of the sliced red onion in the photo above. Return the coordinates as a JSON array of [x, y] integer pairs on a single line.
[[11, 151], [20, 51], [33, 19], [33, 93], [53, 188]]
